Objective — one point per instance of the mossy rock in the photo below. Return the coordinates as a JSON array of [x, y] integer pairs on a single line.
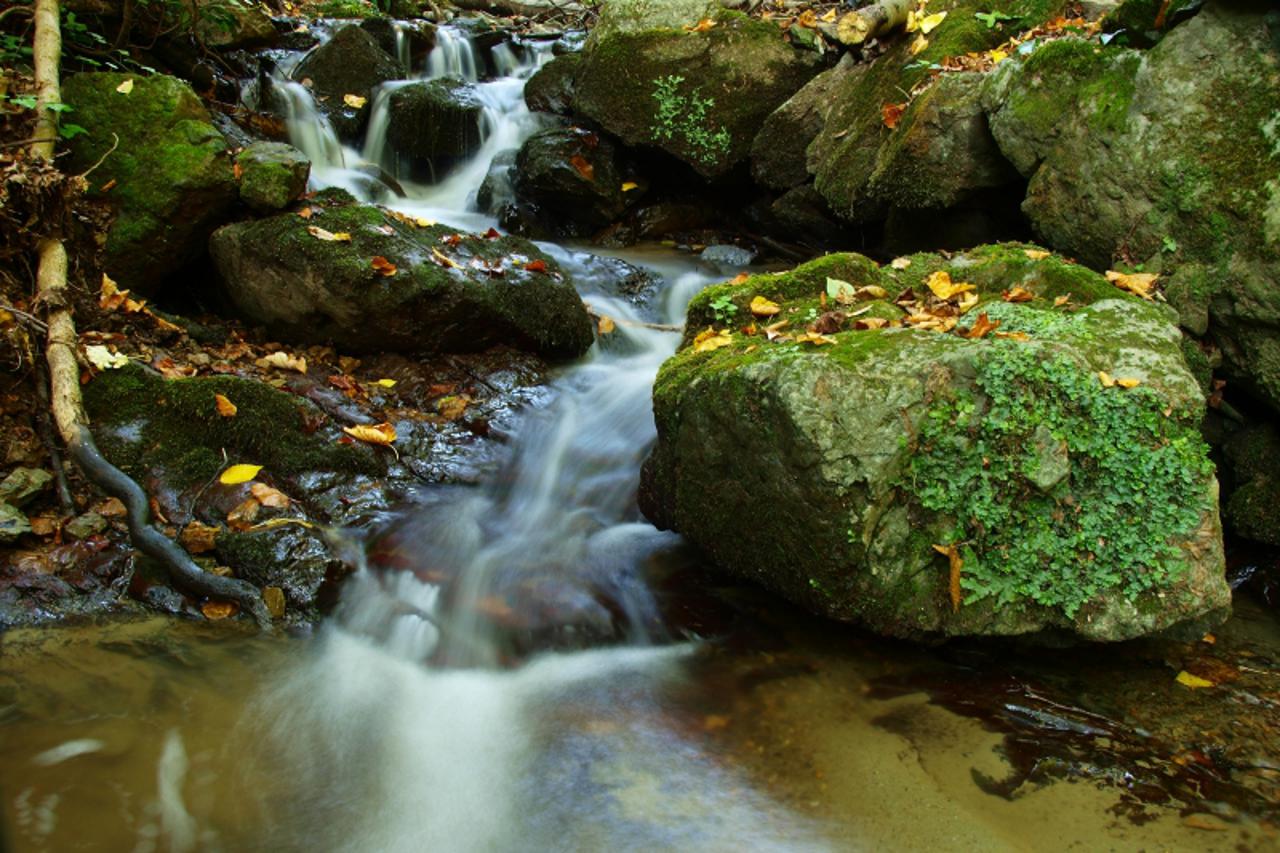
[[1252, 509], [273, 175], [350, 63], [550, 89], [1163, 158], [435, 125], [170, 431], [1144, 22], [450, 292], [230, 24], [699, 96], [164, 168], [828, 472]]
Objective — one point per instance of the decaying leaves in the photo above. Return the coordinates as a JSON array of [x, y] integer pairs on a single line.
[[328, 236], [1017, 294], [198, 538], [943, 287], [982, 327], [283, 361], [273, 597], [242, 517], [381, 434], [104, 359], [269, 497], [605, 325], [215, 610], [583, 167], [890, 114], [354, 101], [711, 339]]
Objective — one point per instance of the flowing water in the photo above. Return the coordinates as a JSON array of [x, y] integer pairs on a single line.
[[405, 724]]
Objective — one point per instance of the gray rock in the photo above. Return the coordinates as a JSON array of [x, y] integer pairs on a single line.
[[727, 258], [23, 485]]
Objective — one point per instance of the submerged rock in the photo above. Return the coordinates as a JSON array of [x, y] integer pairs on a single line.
[[169, 177], [273, 175], [350, 63], [833, 468], [316, 280]]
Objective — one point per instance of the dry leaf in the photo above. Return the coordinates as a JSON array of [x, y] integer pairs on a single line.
[[328, 236], [1036, 254], [982, 327], [269, 497], [900, 263], [1060, 301], [967, 301], [111, 508], [198, 538], [225, 407], [354, 101], [957, 563], [215, 610], [701, 27], [538, 265], [628, 186], [383, 266], [943, 287], [930, 22], [1195, 682], [761, 307], [774, 330], [1017, 294], [1013, 336], [1138, 283], [605, 325], [273, 597], [740, 278], [283, 361], [815, 338], [306, 212], [919, 44], [1105, 379], [380, 434], [241, 518], [866, 323], [710, 339], [237, 474], [583, 167], [386, 383], [104, 359], [126, 87], [891, 113]]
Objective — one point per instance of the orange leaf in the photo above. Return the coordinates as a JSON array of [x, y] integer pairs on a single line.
[[982, 327], [957, 563], [242, 517], [583, 167], [383, 266], [891, 113], [198, 538], [739, 278], [381, 434], [214, 610], [1017, 294], [225, 407], [605, 325], [536, 266], [701, 27]]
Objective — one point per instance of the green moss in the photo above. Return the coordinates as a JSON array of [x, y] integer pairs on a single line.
[[1134, 492], [345, 9], [146, 422]]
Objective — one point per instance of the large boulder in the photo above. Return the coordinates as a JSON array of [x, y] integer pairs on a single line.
[[550, 89], [164, 168], [834, 469], [229, 24], [572, 180], [1169, 158], [700, 96], [367, 279], [434, 125], [350, 63]]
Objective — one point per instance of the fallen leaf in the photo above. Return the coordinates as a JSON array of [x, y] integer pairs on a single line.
[[900, 263], [1138, 283], [762, 307], [774, 330], [930, 22], [829, 323], [1060, 301], [740, 278], [982, 327], [241, 518], [628, 186], [1195, 682], [1105, 379], [967, 301], [328, 236], [354, 101], [583, 167], [536, 266], [919, 44], [1017, 294], [957, 563], [273, 597], [1128, 382], [701, 27], [891, 113], [815, 338], [711, 339], [1013, 336], [306, 212], [215, 610], [841, 291], [225, 407], [237, 474], [386, 383], [104, 359], [1036, 254], [943, 287], [111, 508], [866, 323], [1205, 822], [283, 361], [383, 266], [453, 406], [269, 497], [605, 325], [126, 87], [997, 56], [715, 722], [380, 434], [198, 538]]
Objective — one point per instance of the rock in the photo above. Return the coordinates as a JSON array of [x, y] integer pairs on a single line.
[[1115, 149], [779, 152], [434, 125], [726, 258], [350, 63], [13, 524], [550, 89], [84, 526], [699, 96], [307, 289], [828, 472], [803, 213], [1138, 18], [573, 179], [23, 485], [408, 42], [292, 559], [229, 24], [498, 187], [272, 175], [1252, 509], [170, 179]]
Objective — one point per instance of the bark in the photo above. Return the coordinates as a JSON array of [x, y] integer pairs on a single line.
[[64, 368], [872, 21]]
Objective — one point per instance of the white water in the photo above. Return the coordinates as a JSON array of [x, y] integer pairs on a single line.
[[397, 755]]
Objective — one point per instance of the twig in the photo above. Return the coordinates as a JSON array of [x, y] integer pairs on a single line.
[[23, 143], [115, 143], [40, 325]]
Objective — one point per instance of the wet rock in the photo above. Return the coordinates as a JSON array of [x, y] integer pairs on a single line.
[[1252, 509], [803, 213], [23, 485], [418, 38], [434, 125], [550, 89], [350, 63], [229, 24], [498, 187], [573, 178], [1114, 148], [13, 524], [699, 96], [272, 175], [293, 559], [1138, 19], [726, 258], [671, 217], [170, 178], [450, 292], [828, 472]]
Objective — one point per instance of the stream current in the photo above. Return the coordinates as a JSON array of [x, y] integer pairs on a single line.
[[155, 736]]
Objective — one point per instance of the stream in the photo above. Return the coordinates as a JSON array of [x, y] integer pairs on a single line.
[[718, 720]]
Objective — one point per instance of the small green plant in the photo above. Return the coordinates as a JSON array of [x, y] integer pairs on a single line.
[[992, 19], [724, 310], [685, 118], [1169, 245], [28, 102]]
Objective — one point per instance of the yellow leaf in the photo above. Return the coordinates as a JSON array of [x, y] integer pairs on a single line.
[[1138, 283], [930, 22], [1060, 301], [900, 263], [6, 319], [386, 383], [442, 259], [354, 101], [1129, 382], [913, 21], [943, 287], [1105, 379], [237, 474], [126, 87], [225, 407], [997, 56], [283, 361], [1195, 682], [815, 339], [273, 597], [423, 222], [919, 44], [711, 339], [701, 27], [628, 186], [383, 433], [605, 325], [328, 236], [1036, 254], [762, 307], [967, 301]]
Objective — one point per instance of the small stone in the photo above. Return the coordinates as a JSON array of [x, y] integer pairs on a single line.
[[12, 524], [726, 258], [84, 526], [23, 485]]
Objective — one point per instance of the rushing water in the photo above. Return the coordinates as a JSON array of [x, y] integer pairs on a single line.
[[399, 728]]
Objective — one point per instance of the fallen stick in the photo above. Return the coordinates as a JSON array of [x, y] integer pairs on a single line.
[[862, 25]]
